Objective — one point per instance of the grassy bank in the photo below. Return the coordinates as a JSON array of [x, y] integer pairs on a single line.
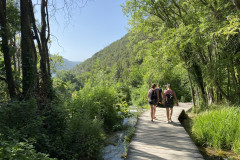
[[216, 131]]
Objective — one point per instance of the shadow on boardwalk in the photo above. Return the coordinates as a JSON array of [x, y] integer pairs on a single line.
[[161, 140]]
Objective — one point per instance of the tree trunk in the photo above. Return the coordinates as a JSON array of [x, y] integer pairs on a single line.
[[217, 95], [221, 91], [210, 96], [197, 95], [196, 71], [14, 63], [44, 62], [234, 79], [42, 40], [46, 85], [191, 88], [5, 50], [237, 64], [18, 61], [199, 79], [14, 55], [27, 52]]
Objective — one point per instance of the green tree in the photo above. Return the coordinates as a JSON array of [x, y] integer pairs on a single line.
[[28, 51], [5, 48], [188, 29]]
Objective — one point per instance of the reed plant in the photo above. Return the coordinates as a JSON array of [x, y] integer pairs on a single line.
[[218, 128]]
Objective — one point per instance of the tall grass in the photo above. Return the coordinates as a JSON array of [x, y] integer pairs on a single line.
[[219, 128]]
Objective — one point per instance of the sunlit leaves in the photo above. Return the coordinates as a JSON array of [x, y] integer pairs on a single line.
[[232, 28]]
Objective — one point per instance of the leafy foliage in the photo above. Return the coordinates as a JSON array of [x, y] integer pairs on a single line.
[[202, 35], [20, 151], [20, 119], [84, 138], [98, 102]]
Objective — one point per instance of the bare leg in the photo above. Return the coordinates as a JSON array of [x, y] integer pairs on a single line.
[[151, 112], [154, 111], [171, 111], [167, 111]]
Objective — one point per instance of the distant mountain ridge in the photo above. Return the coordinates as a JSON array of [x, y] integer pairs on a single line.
[[67, 64]]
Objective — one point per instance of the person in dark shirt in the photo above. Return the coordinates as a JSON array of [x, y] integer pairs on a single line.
[[160, 96], [153, 100]]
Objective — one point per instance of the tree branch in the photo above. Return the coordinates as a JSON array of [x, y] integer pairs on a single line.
[[35, 29], [48, 26]]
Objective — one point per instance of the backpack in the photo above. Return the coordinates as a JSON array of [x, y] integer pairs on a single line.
[[153, 94], [169, 98]]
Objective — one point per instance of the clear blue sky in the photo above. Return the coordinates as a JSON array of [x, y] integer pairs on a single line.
[[90, 29]]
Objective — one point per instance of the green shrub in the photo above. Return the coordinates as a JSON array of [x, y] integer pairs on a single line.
[[219, 128], [20, 118], [123, 92], [73, 132], [4, 89], [139, 95], [51, 139], [45, 128], [84, 137], [100, 102], [20, 151]]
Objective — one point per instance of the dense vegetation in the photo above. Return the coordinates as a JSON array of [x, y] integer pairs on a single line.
[[203, 35], [134, 66], [184, 43], [194, 45], [218, 128]]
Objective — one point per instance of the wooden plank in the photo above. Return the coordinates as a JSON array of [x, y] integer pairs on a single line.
[[161, 140]]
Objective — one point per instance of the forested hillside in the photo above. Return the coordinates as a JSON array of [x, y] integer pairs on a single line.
[[117, 51]]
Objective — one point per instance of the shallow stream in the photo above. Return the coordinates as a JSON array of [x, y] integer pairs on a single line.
[[116, 144]]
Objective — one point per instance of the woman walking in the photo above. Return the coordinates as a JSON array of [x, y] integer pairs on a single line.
[[168, 97], [153, 101]]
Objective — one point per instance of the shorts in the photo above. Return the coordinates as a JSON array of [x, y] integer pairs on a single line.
[[152, 102], [169, 105]]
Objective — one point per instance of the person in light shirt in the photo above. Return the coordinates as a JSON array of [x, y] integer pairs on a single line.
[[168, 101]]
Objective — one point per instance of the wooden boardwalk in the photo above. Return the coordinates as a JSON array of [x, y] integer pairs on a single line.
[[161, 140]]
